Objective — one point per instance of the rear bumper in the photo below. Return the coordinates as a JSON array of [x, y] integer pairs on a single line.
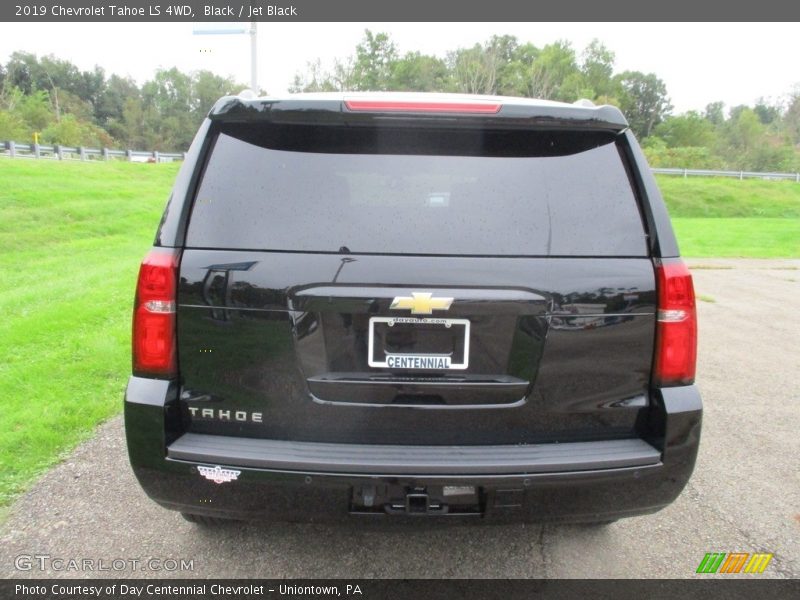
[[279, 480]]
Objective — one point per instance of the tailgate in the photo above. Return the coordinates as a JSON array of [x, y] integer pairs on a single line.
[[279, 346]]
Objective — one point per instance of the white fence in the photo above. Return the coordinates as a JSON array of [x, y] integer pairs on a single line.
[[15, 150], [735, 174]]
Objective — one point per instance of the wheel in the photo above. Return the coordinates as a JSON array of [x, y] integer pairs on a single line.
[[203, 520]]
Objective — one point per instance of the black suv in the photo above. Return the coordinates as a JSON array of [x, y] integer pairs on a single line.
[[401, 305]]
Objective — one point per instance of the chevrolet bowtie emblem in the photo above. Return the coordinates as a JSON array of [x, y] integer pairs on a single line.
[[421, 303]]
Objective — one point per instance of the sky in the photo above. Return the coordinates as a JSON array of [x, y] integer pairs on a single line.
[[737, 63]]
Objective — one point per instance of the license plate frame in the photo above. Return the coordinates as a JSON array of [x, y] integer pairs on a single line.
[[389, 361]]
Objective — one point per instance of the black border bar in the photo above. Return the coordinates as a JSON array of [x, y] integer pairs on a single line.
[[708, 588], [397, 11]]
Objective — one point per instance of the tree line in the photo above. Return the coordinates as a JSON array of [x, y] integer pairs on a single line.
[[63, 104], [53, 98], [765, 136]]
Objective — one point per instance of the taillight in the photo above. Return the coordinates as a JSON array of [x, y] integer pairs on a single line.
[[463, 106], [676, 330], [154, 352]]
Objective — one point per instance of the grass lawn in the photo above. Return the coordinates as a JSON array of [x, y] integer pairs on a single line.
[[731, 218], [747, 237], [71, 238], [718, 197]]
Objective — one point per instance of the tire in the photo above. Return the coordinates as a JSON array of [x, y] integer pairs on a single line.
[[204, 521]]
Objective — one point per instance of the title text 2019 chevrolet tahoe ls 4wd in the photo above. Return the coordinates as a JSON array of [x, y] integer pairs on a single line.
[[413, 305]]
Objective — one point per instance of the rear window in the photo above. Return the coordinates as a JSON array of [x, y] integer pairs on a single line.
[[416, 191]]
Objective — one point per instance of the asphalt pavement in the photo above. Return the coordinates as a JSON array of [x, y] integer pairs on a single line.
[[744, 495]]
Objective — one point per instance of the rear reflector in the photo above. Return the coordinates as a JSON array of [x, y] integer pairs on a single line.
[[154, 352], [676, 330], [423, 107]]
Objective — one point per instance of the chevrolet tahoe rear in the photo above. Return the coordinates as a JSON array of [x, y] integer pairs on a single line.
[[371, 305]]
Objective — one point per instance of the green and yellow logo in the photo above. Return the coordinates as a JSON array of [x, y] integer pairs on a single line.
[[734, 562]]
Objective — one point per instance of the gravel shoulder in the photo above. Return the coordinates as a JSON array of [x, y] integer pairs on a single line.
[[743, 497]]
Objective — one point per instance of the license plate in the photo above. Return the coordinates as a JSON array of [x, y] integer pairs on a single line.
[[409, 343]]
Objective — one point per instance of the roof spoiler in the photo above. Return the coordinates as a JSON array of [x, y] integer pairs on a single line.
[[340, 110]]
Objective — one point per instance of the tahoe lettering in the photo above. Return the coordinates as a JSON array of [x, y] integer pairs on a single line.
[[218, 414]]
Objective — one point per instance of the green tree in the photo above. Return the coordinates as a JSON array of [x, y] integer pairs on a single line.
[[554, 74], [736, 111], [375, 58], [597, 68], [693, 157], [70, 131], [25, 114], [688, 129], [315, 79], [791, 118], [343, 76], [510, 68], [167, 109], [416, 72], [56, 76], [72, 104], [21, 72], [12, 127], [744, 130], [715, 113], [475, 70], [514, 75], [766, 112], [206, 88], [35, 110], [108, 110], [742, 134], [643, 99]]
